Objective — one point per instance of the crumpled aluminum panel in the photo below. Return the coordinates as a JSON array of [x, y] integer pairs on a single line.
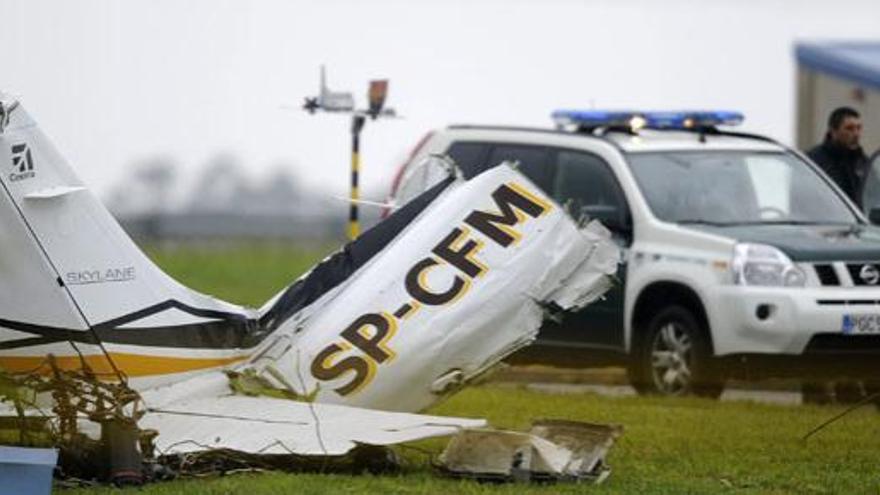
[[553, 450]]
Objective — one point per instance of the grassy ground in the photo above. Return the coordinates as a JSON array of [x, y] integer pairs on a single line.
[[244, 274], [668, 447], [672, 446]]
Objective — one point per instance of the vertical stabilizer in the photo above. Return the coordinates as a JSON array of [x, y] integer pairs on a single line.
[[69, 272]]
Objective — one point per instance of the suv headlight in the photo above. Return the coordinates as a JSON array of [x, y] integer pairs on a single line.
[[766, 266]]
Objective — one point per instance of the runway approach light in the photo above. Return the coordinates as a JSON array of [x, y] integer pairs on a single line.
[[376, 96], [330, 101]]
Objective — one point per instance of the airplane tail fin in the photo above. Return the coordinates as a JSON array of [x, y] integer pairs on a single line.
[[71, 277]]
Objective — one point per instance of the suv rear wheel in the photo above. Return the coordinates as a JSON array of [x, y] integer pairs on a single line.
[[674, 357]]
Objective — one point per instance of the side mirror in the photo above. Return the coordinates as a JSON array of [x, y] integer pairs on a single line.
[[874, 215]]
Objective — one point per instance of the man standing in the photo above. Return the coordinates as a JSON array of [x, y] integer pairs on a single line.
[[841, 155]]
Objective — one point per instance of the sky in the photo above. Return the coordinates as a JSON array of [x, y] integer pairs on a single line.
[[115, 83]]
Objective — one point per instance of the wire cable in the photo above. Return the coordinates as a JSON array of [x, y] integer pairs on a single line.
[[867, 400]]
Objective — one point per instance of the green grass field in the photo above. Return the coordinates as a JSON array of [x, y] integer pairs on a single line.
[[244, 274], [670, 446]]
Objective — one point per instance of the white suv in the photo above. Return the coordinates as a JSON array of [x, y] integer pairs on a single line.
[[742, 258]]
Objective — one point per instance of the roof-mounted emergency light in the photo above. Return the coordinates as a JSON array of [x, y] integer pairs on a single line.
[[635, 120]]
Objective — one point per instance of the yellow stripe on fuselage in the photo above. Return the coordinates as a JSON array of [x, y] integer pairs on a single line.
[[131, 365]]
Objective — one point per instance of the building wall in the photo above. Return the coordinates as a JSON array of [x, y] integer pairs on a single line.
[[818, 94]]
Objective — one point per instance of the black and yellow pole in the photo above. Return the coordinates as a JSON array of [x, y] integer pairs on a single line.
[[354, 226], [332, 101]]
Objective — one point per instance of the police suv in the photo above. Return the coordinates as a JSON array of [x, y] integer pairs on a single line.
[[742, 258]]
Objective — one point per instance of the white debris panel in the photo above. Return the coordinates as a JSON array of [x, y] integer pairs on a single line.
[[462, 286], [261, 425]]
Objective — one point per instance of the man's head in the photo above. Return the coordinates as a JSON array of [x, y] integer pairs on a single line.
[[845, 127]]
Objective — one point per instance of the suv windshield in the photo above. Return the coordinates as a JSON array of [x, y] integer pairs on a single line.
[[736, 187]]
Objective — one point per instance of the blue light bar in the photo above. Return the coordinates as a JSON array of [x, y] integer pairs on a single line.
[[679, 119]]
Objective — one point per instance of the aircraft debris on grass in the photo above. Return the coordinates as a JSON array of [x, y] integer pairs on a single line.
[[401, 317]]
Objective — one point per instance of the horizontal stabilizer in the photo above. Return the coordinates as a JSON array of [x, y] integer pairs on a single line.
[[53, 192]]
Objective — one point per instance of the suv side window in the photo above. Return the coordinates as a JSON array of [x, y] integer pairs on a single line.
[[534, 162], [469, 156], [590, 185]]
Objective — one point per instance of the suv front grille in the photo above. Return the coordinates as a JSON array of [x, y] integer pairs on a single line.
[[827, 275], [864, 273], [847, 274]]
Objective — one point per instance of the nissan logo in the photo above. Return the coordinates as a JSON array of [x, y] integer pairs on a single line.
[[869, 274]]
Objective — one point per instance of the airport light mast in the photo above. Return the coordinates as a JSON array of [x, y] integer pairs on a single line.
[[340, 102]]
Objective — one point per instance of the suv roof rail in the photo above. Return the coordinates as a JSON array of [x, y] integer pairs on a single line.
[[508, 128], [602, 132], [543, 130], [747, 135]]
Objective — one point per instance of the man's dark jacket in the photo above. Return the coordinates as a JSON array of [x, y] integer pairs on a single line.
[[846, 167]]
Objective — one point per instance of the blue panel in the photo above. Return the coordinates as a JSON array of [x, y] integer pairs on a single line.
[[26, 470], [855, 61], [27, 455]]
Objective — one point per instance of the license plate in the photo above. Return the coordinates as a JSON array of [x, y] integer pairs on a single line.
[[860, 324]]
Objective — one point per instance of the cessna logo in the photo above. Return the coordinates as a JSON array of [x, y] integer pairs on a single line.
[[22, 163], [869, 274], [457, 253]]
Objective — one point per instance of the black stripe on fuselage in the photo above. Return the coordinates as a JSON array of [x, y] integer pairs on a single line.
[[230, 331]]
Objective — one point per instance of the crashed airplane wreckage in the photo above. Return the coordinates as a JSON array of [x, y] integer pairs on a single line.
[[408, 313]]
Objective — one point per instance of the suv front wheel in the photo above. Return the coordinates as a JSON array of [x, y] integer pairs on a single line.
[[674, 357]]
